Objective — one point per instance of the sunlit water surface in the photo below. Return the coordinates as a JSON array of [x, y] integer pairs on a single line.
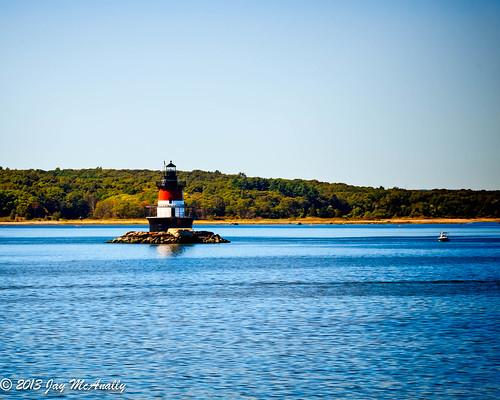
[[357, 312]]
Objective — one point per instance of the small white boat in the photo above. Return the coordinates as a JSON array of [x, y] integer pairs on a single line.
[[443, 237]]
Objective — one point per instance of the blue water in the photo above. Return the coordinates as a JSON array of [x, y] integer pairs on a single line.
[[295, 312]]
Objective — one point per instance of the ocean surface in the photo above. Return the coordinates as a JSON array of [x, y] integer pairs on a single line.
[[286, 312]]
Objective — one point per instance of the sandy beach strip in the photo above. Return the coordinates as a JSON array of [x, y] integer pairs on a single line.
[[262, 221]]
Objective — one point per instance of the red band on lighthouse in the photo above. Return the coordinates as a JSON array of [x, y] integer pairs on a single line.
[[170, 194]]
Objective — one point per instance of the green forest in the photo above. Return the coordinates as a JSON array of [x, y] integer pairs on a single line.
[[107, 193]]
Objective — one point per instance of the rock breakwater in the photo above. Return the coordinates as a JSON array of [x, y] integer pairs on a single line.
[[173, 236]]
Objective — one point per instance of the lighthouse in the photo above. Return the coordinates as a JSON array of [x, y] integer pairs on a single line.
[[170, 212]]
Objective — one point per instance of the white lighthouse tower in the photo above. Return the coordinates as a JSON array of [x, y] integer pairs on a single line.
[[171, 195], [171, 212]]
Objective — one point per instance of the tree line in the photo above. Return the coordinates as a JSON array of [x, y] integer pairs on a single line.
[[106, 193]]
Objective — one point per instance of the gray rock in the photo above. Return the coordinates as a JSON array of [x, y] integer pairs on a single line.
[[174, 237]]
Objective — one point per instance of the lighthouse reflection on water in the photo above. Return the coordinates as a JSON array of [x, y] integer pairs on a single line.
[[170, 250]]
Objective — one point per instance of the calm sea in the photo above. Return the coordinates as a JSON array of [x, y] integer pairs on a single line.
[[292, 312]]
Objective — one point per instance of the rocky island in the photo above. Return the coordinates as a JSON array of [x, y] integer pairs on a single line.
[[172, 236], [171, 224]]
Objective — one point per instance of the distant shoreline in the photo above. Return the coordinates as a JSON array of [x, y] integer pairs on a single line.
[[302, 221]]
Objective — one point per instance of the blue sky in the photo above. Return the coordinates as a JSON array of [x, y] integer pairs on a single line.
[[391, 93]]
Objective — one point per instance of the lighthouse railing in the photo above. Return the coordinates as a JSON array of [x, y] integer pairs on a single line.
[[189, 212], [170, 182]]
